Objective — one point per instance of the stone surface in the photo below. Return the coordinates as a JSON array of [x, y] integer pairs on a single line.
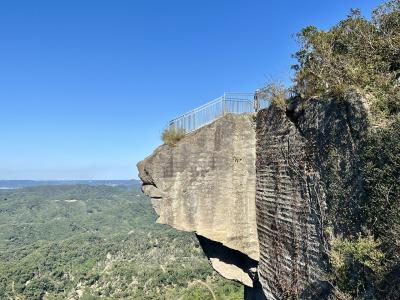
[[291, 239], [264, 208], [231, 263], [206, 183], [308, 185]]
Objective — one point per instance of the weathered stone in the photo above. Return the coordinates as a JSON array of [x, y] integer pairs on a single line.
[[206, 183], [308, 185], [232, 263], [288, 204], [264, 211]]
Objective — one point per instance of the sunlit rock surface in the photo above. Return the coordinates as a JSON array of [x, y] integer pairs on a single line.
[[264, 201], [205, 183]]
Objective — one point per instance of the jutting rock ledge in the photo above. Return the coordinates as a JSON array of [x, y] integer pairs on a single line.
[[263, 192], [206, 184]]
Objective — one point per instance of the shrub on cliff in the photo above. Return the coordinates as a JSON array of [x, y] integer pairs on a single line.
[[357, 265], [172, 135], [275, 93], [356, 54], [381, 180], [362, 55]]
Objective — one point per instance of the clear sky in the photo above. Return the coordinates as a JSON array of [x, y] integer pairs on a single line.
[[86, 86]]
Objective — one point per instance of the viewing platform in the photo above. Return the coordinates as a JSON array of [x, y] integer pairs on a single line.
[[233, 103]]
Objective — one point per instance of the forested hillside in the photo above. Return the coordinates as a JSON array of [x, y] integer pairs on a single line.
[[81, 241]]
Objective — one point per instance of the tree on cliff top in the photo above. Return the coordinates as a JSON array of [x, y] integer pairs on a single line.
[[357, 53], [363, 55]]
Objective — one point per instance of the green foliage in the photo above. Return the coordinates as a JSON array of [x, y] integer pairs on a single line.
[[381, 178], [364, 267], [361, 55], [356, 54], [357, 264], [98, 242], [172, 135]]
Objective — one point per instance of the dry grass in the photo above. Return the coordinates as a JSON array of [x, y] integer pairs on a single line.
[[172, 135]]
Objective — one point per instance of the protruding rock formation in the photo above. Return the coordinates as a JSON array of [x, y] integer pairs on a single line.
[[205, 183], [265, 202]]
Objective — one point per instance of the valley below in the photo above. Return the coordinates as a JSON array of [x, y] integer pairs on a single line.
[[92, 241]]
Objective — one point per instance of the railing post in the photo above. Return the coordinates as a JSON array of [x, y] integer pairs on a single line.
[[223, 104], [256, 101], [219, 107]]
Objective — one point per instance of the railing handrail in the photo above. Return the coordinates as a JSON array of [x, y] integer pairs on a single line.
[[214, 101], [207, 113], [239, 94]]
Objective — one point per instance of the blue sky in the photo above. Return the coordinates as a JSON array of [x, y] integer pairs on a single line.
[[87, 86]]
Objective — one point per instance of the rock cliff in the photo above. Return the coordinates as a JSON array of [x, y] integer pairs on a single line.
[[264, 201], [205, 183], [308, 185]]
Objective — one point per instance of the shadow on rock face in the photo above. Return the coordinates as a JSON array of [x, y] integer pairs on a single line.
[[235, 265]]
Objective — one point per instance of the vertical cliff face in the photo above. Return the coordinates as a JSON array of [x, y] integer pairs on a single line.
[[265, 201], [206, 183], [290, 203], [308, 185]]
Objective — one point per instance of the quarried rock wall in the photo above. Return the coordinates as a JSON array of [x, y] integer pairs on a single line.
[[308, 186], [265, 201]]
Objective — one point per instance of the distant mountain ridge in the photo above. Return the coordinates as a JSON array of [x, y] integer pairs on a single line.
[[15, 184]]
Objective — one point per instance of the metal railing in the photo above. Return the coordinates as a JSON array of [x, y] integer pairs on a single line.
[[235, 103]]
